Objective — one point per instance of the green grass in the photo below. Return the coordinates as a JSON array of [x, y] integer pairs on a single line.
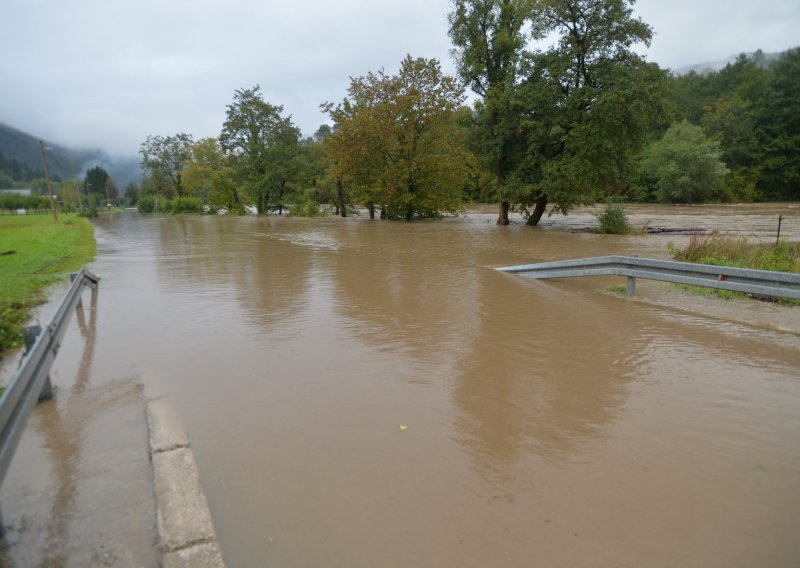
[[730, 251], [35, 252], [615, 289], [738, 252]]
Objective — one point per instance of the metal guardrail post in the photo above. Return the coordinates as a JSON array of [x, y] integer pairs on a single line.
[[631, 287]]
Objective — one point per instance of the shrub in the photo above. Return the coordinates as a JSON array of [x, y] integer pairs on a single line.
[[306, 208], [187, 205], [154, 204], [613, 220], [13, 202], [90, 213], [147, 204]]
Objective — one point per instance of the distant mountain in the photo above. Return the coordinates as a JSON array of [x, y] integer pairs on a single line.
[[62, 162], [762, 60]]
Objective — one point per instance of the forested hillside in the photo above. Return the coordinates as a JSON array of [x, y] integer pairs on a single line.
[[745, 118], [20, 157], [21, 162]]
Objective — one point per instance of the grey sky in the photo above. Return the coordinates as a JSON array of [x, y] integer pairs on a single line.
[[106, 73]]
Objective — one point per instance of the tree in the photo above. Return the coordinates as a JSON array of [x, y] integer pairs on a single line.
[[38, 186], [778, 129], [5, 181], [112, 193], [488, 40], [397, 140], [264, 146], [209, 175], [163, 157], [587, 103], [131, 194], [70, 193], [99, 185], [311, 173], [685, 164]]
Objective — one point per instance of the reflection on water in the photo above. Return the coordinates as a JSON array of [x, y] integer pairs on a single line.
[[545, 423], [74, 493]]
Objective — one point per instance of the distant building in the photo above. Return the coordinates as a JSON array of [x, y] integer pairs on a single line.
[[22, 192]]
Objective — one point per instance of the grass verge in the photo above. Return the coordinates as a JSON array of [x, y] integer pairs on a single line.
[[35, 252], [721, 250]]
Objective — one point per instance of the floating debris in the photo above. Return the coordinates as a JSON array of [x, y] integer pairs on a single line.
[[679, 230]]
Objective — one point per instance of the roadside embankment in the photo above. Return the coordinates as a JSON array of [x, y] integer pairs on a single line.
[[36, 251]]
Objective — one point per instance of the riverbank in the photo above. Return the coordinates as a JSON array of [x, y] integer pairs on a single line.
[[35, 252]]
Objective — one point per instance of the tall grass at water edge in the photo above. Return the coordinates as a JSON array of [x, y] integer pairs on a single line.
[[723, 250]]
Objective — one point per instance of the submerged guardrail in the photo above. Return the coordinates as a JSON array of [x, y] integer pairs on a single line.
[[31, 383], [749, 281]]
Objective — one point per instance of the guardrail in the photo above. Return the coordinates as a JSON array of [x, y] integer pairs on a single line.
[[757, 282], [31, 383]]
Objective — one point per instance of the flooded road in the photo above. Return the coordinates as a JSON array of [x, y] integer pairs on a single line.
[[373, 394]]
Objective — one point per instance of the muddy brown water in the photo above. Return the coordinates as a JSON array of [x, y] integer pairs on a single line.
[[373, 394]]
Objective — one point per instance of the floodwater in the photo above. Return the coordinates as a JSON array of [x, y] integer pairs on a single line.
[[365, 394]]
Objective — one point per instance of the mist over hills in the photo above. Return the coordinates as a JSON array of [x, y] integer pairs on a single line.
[[64, 162], [759, 57]]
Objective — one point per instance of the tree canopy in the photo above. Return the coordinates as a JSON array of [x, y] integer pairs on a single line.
[[209, 175], [561, 122], [99, 185], [587, 103], [488, 45], [397, 140], [163, 157], [685, 164], [566, 112], [264, 146]]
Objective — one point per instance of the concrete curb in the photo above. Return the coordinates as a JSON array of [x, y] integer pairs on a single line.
[[185, 530]]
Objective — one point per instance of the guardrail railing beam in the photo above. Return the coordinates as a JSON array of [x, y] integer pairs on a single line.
[[31, 383], [749, 281]]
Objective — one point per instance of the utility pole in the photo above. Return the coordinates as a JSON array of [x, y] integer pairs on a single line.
[[49, 185], [80, 196]]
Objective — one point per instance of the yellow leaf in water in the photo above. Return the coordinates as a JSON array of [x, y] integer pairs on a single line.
[[403, 427]]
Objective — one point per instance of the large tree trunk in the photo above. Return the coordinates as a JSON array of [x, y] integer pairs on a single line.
[[410, 207], [502, 218], [500, 176], [538, 211], [341, 205]]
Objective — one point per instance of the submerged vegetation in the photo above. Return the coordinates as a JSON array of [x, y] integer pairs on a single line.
[[736, 251], [613, 220], [179, 205], [36, 252]]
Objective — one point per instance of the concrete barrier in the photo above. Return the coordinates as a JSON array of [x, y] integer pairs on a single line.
[[185, 529]]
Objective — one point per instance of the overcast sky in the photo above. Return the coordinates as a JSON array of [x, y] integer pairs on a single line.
[[106, 73]]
